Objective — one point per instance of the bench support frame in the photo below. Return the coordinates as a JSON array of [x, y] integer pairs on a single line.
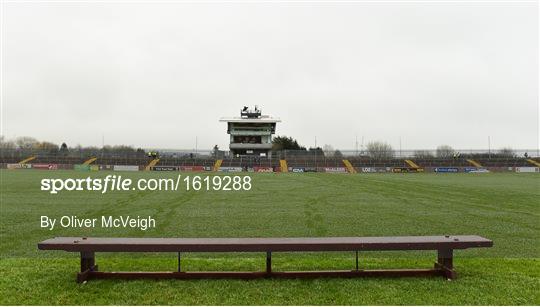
[[443, 267], [445, 263], [88, 266]]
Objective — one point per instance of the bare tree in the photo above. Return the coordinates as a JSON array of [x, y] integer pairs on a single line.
[[379, 150], [26, 142], [506, 152], [47, 146], [445, 151], [6, 144], [328, 150], [422, 154]]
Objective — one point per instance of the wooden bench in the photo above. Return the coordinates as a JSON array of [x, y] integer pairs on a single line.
[[87, 247]]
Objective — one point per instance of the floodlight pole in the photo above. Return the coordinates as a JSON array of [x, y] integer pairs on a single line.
[[489, 146], [356, 144], [400, 146]]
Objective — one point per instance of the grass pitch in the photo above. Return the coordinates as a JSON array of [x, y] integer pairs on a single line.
[[502, 207]]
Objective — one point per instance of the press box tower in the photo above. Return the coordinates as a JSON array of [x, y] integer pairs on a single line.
[[251, 133]]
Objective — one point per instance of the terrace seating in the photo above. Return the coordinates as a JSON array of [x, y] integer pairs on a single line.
[[313, 161], [250, 162], [123, 161], [58, 160], [294, 161], [10, 159], [185, 161], [440, 162], [504, 162], [370, 162]]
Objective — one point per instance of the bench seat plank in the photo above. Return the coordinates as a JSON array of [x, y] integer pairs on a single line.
[[79, 244]]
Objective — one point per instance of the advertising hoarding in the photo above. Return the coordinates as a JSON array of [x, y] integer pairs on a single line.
[[130, 168], [165, 168], [446, 170], [527, 169], [335, 169]]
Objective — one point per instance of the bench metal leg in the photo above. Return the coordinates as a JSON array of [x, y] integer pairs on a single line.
[[269, 263], [356, 260], [445, 263], [88, 264], [179, 263]]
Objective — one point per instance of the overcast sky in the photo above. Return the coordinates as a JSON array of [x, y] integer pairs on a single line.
[[157, 75]]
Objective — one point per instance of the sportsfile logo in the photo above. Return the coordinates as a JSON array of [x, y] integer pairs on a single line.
[[118, 183]]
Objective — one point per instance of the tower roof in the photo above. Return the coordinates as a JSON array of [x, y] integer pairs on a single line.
[[251, 115], [262, 120]]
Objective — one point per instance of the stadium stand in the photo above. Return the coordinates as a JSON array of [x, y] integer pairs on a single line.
[[314, 161], [172, 161], [250, 162], [123, 161], [278, 161], [57, 160], [368, 162], [438, 162], [504, 162], [10, 159]]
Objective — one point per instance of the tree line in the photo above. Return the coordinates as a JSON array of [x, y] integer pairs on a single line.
[[280, 144], [32, 145], [383, 150]]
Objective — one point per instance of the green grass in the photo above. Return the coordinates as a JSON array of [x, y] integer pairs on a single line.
[[504, 207]]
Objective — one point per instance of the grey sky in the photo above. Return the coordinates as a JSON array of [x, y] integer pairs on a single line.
[[157, 75]]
